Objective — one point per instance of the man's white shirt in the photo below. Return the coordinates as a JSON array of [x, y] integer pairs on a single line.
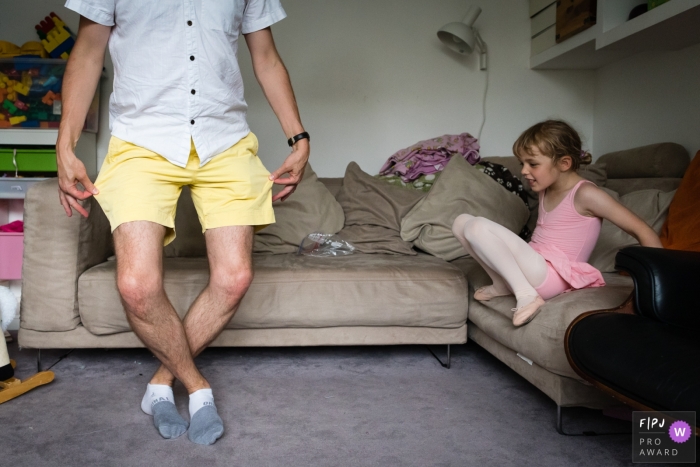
[[176, 73]]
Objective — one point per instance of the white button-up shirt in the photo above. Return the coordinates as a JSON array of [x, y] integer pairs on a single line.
[[176, 74]]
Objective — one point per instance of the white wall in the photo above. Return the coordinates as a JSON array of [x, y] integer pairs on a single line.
[[371, 77], [649, 98]]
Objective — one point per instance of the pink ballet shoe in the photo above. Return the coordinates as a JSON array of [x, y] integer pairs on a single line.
[[482, 294], [526, 313]]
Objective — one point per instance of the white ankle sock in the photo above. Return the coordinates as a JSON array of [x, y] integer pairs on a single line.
[[156, 393], [199, 399]]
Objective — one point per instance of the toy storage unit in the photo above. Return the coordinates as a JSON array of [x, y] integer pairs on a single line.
[[30, 94]]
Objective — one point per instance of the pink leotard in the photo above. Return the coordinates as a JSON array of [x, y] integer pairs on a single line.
[[566, 239]]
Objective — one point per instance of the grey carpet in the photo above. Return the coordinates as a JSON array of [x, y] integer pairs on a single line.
[[346, 406]]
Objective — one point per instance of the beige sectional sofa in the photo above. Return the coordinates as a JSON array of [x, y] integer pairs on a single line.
[[69, 297]]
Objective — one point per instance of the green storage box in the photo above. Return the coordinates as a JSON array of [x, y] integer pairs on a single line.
[[28, 160], [651, 4]]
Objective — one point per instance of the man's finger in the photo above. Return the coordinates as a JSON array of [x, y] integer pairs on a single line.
[[279, 172], [89, 187], [73, 191], [283, 194], [290, 194], [76, 205], [287, 181], [64, 202]]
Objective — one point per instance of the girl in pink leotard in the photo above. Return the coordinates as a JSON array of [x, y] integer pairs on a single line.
[[571, 211]]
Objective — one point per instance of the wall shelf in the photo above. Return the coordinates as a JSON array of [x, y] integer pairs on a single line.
[[671, 26]]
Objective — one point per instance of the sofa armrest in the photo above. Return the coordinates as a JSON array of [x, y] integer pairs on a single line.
[[665, 283], [57, 250]]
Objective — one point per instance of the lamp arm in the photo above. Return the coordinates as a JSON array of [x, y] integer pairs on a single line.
[[482, 49]]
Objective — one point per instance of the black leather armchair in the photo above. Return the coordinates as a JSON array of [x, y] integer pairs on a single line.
[[646, 353]]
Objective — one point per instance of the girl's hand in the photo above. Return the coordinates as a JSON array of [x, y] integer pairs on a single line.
[[592, 201]]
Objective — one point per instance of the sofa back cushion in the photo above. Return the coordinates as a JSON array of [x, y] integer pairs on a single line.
[[373, 211], [310, 208], [650, 205], [461, 189], [665, 160]]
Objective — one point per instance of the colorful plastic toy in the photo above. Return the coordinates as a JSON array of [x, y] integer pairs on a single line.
[[49, 98], [9, 106], [17, 120], [21, 88], [55, 36]]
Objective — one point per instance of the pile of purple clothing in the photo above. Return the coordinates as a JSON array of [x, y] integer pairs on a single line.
[[431, 156]]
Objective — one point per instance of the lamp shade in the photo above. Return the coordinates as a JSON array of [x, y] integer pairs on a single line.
[[458, 37]]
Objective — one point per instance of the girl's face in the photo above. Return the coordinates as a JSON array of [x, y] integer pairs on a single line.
[[538, 170]]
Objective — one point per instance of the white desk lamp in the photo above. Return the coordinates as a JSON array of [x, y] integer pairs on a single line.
[[462, 37]]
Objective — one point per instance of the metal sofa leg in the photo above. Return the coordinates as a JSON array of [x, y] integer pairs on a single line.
[[449, 357], [560, 428], [38, 360]]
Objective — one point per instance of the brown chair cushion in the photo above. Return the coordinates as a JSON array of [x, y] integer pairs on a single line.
[[681, 231]]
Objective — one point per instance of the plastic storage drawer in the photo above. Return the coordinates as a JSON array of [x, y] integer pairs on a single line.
[[11, 248], [16, 188], [28, 160]]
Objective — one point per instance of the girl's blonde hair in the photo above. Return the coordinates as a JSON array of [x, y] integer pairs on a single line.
[[554, 139]]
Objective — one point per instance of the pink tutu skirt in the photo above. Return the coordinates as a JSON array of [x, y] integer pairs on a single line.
[[577, 275]]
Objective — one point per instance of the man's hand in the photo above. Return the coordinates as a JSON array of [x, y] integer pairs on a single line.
[[294, 165], [71, 171]]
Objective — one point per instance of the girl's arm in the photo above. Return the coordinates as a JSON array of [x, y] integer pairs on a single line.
[[590, 200]]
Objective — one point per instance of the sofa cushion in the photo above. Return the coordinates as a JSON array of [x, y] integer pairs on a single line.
[[654, 160], [291, 291], [460, 189], [373, 211], [628, 185], [542, 340], [311, 208], [650, 205]]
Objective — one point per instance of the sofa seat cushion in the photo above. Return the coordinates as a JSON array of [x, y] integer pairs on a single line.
[[301, 291], [542, 340]]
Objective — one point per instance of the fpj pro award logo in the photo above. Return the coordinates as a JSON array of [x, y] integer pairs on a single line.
[[663, 437]]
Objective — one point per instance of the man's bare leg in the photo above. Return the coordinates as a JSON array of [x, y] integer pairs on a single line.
[[139, 250], [230, 263], [139, 247], [229, 250]]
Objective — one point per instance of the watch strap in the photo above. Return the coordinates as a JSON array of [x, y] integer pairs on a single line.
[[293, 140]]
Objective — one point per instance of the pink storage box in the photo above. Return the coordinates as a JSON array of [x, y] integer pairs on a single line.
[[11, 248]]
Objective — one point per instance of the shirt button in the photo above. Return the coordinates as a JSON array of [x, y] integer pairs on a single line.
[[193, 91], [192, 122], [189, 23], [192, 57]]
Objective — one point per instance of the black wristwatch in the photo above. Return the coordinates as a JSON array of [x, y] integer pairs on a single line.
[[292, 141]]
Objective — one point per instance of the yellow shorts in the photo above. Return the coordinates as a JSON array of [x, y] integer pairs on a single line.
[[233, 188]]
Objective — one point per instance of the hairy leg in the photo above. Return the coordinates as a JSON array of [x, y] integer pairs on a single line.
[[229, 250], [511, 257], [139, 250], [499, 286]]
